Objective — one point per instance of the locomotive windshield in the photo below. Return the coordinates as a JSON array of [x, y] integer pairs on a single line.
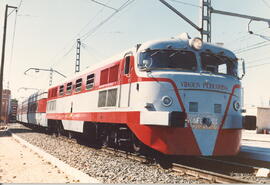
[[168, 59], [218, 64]]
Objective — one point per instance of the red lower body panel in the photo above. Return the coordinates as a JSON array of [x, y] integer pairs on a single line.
[[228, 142], [173, 141], [168, 140]]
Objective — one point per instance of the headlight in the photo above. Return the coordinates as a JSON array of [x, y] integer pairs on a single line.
[[196, 43], [236, 105], [166, 101]]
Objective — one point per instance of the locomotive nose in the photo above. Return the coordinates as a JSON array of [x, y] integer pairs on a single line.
[[206, 140]]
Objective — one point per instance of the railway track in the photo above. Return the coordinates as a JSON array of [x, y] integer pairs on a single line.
[[209, 176], [183, 169]]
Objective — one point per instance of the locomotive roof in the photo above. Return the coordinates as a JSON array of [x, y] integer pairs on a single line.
[[176, 43]]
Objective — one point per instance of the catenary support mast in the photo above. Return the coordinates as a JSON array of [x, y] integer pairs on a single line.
[[206, 14], [78, 56], [3, 55]]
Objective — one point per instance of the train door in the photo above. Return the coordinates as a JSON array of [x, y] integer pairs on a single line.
[[125, 81]]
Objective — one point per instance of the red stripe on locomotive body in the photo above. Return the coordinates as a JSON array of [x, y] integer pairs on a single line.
[[175, 141], [169, 81], [100, 117], [228, 104], [228, 140]]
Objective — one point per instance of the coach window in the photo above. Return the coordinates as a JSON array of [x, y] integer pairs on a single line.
[[90, 81], [61, 90], [78, 86], [69, 87], [127, 65]]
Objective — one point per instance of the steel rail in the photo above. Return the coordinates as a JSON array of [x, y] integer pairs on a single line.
[[195, 172], [208, 175]]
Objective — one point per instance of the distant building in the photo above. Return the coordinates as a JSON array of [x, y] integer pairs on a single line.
[[5, 105], [13, 111]]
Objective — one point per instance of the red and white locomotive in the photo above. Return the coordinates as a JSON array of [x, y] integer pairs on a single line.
[[177, 96]]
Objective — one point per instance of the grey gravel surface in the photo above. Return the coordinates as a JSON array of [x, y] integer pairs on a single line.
[[101, 165], [249, 177]]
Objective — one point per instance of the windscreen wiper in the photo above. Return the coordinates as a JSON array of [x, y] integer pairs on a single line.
[[178, 51]]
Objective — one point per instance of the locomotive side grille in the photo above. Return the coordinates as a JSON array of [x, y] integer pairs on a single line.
[[112, 95], [102, 98], [107, 98]]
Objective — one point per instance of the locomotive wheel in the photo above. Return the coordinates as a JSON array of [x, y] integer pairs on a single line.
[[114, 138], [58, 131], [105, 140], [59, 128], [137, 145], [69, 134]]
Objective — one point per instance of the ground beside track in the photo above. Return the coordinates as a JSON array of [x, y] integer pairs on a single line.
[[18, 164]]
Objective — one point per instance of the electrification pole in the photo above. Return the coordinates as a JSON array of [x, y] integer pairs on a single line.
[[78, 56], [206, 13], [51, 77], [206, 20], [3, 56]]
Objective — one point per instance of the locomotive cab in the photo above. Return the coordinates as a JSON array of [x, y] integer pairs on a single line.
[[196, 85]]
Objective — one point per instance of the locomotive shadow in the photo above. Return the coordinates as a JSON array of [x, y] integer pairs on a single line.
[[5, 133]]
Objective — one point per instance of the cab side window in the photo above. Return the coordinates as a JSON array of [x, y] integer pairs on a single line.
[[127, 65]]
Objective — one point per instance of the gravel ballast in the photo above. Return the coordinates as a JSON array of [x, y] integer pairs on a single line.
[[105, 167]]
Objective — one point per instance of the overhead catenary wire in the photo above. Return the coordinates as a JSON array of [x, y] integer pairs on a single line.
[[185, 3], [258, 60], [93, 30], [258, 65], [75, 37], [245, 37], [252, 47], [105, 5], [78, 35], [20, 4], [266, 3]]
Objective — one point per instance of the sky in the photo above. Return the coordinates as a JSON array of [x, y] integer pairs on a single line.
[[46, 32]]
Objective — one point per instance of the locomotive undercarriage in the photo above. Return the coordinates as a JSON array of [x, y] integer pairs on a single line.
[[101, 135]]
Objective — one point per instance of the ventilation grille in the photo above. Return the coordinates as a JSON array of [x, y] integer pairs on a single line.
[[102, 98], [107, 98], [112, 95]]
